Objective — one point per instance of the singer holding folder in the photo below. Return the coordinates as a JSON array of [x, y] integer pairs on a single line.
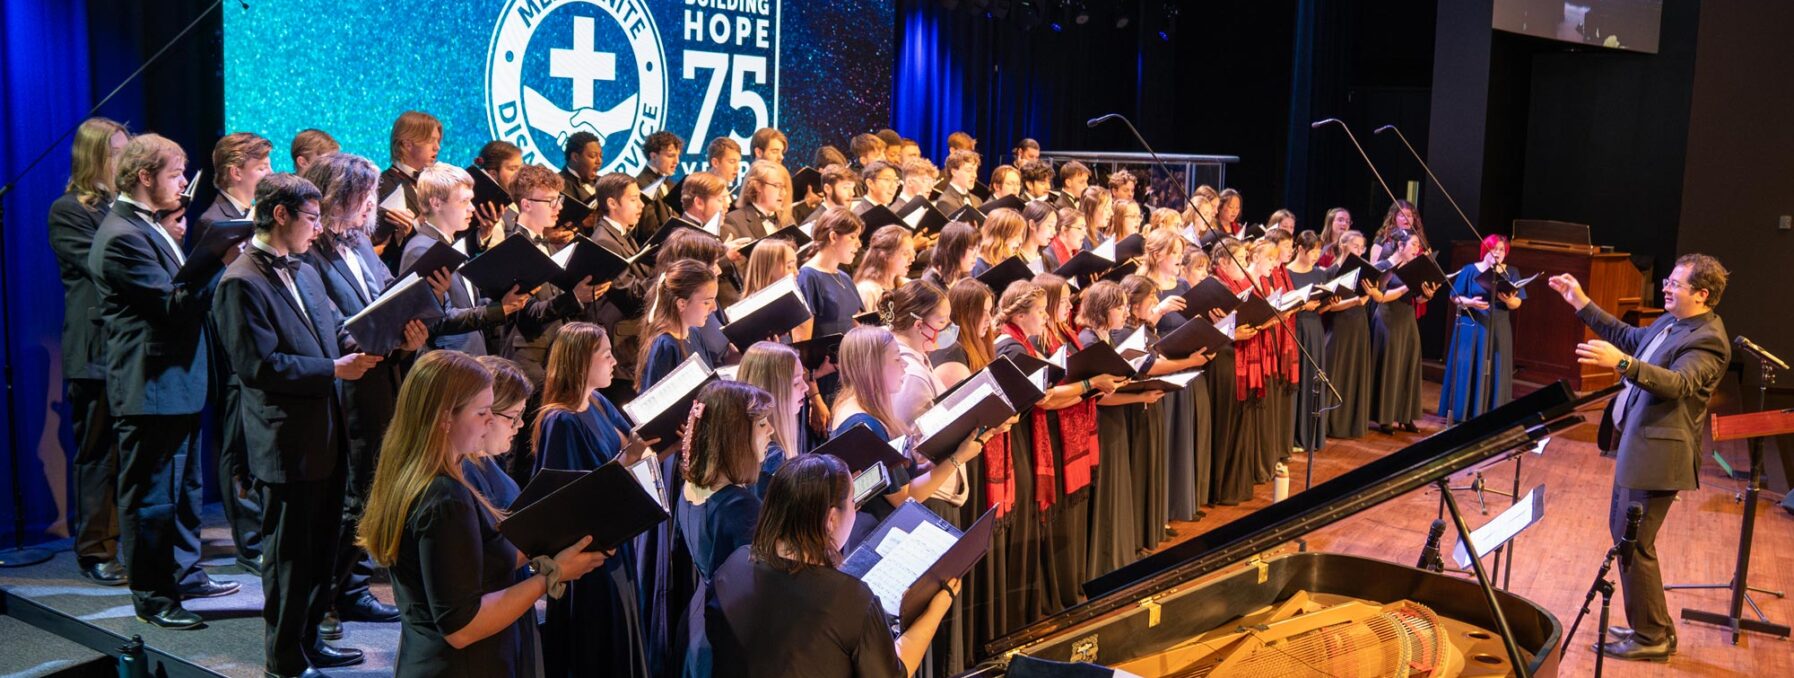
[[453, 574], [596, 629], [779, 607], [1668, 372]]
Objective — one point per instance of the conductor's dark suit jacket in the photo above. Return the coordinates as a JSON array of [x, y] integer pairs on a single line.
[[1660, 434]]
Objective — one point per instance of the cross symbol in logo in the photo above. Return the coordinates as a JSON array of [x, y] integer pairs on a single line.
[[582, 64]]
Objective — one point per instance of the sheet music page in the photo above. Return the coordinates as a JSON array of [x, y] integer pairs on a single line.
[[939, 416], [656, 190], [760, 298], [1347, 281], [392, 293], [565, 255], [647, 474], [1294, 298], [1105, 250], [1496, 532], [1133, 345], [727, 372], [1227, 324], [394, 200], [903, 557], [1057, 359], [460, 245], [668, 391], [1039, 379], [1180, 379], [915, 217]]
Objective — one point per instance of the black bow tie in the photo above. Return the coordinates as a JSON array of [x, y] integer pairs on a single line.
[[290, 264], [540, 241]]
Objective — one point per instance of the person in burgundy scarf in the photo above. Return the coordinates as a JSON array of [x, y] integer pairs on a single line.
[[1115, 530], [1242, 425], [1289, 369]]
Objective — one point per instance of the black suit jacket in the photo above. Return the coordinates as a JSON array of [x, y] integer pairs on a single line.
[[572, 186], [371, 399], [291, 409], [220, 210], [72, 229], [655, 213], [952, 200], [620, 310], [390, 179], [156, 361], [464, 317], [1660, 434]]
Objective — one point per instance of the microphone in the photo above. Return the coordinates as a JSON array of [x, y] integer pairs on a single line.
[[1629, 542], [1761, 353], [1382, 129], [1101, 119], [1317, 124], [1429, 554]]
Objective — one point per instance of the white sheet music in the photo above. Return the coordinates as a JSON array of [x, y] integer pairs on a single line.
[[669, 391], [394, 201], [1518, 517], [565, 255], [761, 298], [915, 217], [1179, 379], [903, 557], [727, 372], [1057, 359], [647, 474], [1105, 250], [1134, 345], [939, 416], [392, 293], [1227, 324], [1346, 282], [1294, 298]]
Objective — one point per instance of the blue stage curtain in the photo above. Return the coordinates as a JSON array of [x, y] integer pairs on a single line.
[[44, 89]]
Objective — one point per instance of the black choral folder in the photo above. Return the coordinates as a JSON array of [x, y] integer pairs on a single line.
[[768, 312], [486, 189], [583, 257], [1365, 269], [814, 352], [980, 402], [207, 258], [796, 234], [968, 214], [659, 411], [1167, 383], [515, 262], [440, 256], [1096, 360], [1196, 334], [1008, 202], [1255, 310], [804, 180], [1422, 270], [1004, 274], [860, 448], [1209, 295], [1503, 284], [675, 225], [574, 212], [380, 328], [940, 551], [558, 508]]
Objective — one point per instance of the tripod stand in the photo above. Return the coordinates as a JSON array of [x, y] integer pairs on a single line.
[[1603, 586], [1754, 427]]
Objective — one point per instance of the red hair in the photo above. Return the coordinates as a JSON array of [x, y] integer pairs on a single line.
[[1490, 242]]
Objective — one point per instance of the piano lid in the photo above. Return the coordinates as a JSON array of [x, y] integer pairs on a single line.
[[1507, 427]]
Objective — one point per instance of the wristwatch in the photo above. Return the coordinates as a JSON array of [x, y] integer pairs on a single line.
[[1624, 364]]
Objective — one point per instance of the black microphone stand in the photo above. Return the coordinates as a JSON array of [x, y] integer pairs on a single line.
[[1282, 322], [1603, 587], [19, 555]]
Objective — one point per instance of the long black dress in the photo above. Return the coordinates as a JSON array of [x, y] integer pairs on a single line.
[[1311, 395], [1349, 364], [596, 628], [450, 555], [1114, 513], [1187, 438], [1395, 341], [1023, 593], [815, 622]]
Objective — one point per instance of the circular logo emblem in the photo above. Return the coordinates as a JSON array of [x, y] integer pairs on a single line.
[[556, 69]]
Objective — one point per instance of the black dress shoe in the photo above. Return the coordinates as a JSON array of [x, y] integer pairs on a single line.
[[326, 656], [309, 673], [367, 608], [174, 618], [108, 573], [1630, 650], [211, 589], [253, 566], [1410, 427], [1625, 633], [331, 628]]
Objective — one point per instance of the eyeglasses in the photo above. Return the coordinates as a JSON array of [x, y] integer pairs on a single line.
[[1675, 285], [508, 417], [556, 200], [313, 215]]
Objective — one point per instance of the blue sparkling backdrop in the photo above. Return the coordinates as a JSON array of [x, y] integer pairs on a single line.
[[350, 67]]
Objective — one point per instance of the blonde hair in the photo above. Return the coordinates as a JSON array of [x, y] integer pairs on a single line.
[[438, 182], [145, 153], [770, 261], [863, 375], [417, 450], [237, 150], [1161, 243], [91, 164], [877, 263], [966, 298], [413, 126], [1021, 297], [509, 385], [1165, 218], [759, 176], [1001, 227], [771, 366]]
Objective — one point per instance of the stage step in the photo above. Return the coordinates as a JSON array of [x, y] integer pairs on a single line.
[[32, 652]]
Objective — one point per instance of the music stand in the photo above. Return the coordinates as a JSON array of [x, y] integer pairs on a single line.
[[1753, 427]]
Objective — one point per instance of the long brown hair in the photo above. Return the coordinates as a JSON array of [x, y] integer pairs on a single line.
[[417, 449], [719, 448], [1096, 302], [968, 297], [863, 376], [1001, 227], [878, 262], [569, 362], [771, 260], [680, 281], [91, 163], [956, 239], [830, 228], [772, 366], [345, 180], [796, 513]]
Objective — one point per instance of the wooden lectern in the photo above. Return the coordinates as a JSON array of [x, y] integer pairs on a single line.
[[1546, 330]]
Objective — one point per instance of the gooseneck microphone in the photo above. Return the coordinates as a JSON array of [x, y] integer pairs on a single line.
[[1102, 119], [1629, 541], [1761, 353]]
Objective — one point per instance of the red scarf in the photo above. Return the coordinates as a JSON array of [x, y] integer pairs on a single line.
[[1061, 252], [1289, 362], [1255, 359], [1077, 426], [1046, 481]]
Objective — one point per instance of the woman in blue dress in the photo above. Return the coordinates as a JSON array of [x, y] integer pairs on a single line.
[[716, 510], [683, 302], [828, 290], [596, 628], [1482, 314], [774, 368]]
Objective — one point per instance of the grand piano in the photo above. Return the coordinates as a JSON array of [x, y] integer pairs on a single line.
[[1173, 613]]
